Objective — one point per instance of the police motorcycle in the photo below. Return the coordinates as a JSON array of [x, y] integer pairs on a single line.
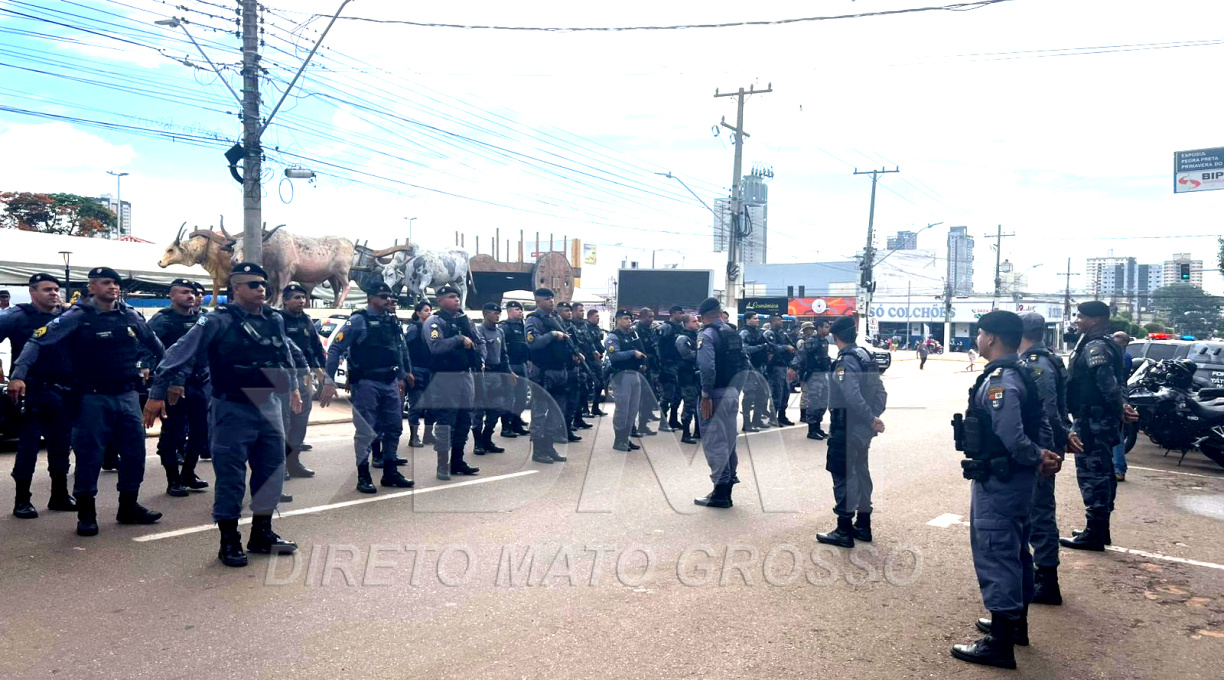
[[1174, 412]]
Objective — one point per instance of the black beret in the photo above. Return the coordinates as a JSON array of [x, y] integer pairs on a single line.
[[4, 292], [199, 287], [37, 279], [1002, 322], [491, 307], [514, 304], [775, 315], [446, 290], [676, 308], [707, 305], [105, 273], [563, 305], [248, 269], [185, 283], [1094, 308], [381, 288], [842, 324], [295, 288], [543, 292], [624, 313]]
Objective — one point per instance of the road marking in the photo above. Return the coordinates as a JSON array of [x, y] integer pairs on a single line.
[[333, 506], [1173, 472], [948, 519]]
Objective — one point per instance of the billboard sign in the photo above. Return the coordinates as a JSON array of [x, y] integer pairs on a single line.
[[822, 306], [1198, 170]]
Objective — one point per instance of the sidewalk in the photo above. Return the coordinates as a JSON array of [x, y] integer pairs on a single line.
[[340, 411]]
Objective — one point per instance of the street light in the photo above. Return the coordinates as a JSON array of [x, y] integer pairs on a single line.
[[119, 194], [410, 221], [173, 22], [67, 255]]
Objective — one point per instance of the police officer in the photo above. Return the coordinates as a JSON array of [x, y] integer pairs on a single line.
[[1051, 376], [576, 375], [628, 366], [551, 361], [999, 436], [593, 351], [300, 330], [493, 385], [857, 398], [379, 369], [452, 346], [1098, 408], [756, 388], [190, 414], [688, 378], [812, 365], [650, 345], [103, 336], [669, 359], [418, 353], [721, 360], [783, 354], [44, 413], [515, 332], [582, 338]]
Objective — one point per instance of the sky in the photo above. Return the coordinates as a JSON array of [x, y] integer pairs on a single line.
[[1056, 120]]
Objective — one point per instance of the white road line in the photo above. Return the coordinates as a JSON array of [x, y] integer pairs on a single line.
[[333, 506], [946, 520], [1173, 472]]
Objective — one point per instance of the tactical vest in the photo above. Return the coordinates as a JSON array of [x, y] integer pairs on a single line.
[[250, 360], [985, 454], [668, 332], [627, 344], [870, 385], [52, 366], [418, 349], [816, 355], [461, 359], [782, 356], [556, 356], [646, 338], [1060, 374], [105, 352], [299, 328], [729, 358], [1082, 391], [175, 328], [377, 356], [756, 338], [688, 367], [516, 342]]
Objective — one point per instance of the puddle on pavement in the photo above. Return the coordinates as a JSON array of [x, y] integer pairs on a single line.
[[1207, 506]]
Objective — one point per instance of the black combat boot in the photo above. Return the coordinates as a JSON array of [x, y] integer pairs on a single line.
[[22, 507], [720, 497], [391, 478], [376, 460], [443, 465], [686, 438], [643, 431], [293, 466], [365, 484], [520, 427], [191, 481], [61, 500], [1093, 538], [782, 419], [174, 486], [620, 442], [814, 432], [429, 433], [490, 447], [110, 460], [478, 445], [862, 527], [996, 649], [665, 426], [87, 516], [1045, 586], [1021, 628], [580, 424], [458, 466], [231, 554], [842, 536], [556, 456], [265, 541], [131, 512], [540, 449], [413, 440], [802, 415], [674, 419]]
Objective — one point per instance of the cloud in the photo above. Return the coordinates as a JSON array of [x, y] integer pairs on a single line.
[[56, 146]]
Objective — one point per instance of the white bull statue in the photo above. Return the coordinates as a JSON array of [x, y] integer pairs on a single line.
[[418, 270], [306, 260]]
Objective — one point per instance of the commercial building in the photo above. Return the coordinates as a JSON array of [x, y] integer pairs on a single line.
[[1174, 269], [122, 211], [754, 194], [904, 240], [960, 261]]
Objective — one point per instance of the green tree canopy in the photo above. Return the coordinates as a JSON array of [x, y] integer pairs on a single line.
[[68, 214], [1189, 309]]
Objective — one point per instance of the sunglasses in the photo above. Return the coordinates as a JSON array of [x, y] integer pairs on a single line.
[[256, 285], [383, 296]]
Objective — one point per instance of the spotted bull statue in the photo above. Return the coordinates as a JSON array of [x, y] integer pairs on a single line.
[[425, 269]]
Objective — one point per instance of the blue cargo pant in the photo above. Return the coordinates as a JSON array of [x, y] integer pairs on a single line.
[[377, 414], [718, 435], [189, 415], [295, 424], [627, 389], [549, 405], [104, 419], [451, 397], [847, 460], [44, 416], [1043, 523], [999, 535], [246, 434]]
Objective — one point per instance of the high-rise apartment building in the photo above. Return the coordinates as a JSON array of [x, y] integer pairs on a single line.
[[960, 261]]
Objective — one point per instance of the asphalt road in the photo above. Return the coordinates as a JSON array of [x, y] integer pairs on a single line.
[[602, 567]]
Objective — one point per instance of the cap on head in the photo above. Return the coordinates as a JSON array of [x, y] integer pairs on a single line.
[[183, 283], [1034, 326], [199, 287], [244, 272], [807, 325], [444, 291], [4, 293], [843, 327], [381, 288], [675, 309], [563, 305], [491, 307], [1094, 309], [1004, 324], [37, 279], [105, 273], [544, 293], [293, 288], [708, 305], [514, 304], [624, 314]]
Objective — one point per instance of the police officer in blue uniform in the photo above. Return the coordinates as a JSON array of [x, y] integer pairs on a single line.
[[515, 332], [552, 359], [999, 435], [593, 349], [783, 354], [44, 413], [494, 384], [756, 389], [378, 368], [688, 379], [856, 400], [250, 366], [452, 345], [106, 336], [300, 330], [628, 366], [418, 353], [1051, 376], [648, 343], [190, 414], [1098, 407], [723, 366], [669, 362], [576, 375]]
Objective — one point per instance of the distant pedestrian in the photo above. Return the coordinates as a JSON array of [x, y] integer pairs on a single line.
[[972, 360], [923, 351]]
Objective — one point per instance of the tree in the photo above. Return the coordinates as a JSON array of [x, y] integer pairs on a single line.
[[1154, 327], [69, 214], [1122, 323], [1190, 311]]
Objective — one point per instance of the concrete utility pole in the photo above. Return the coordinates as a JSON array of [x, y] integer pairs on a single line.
[[735, 231], [867, 280], [252, 161], [998, 237], [1067, 301]]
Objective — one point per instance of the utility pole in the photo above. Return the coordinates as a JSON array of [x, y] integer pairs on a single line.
[[998, 237], [252, 161], [868, 279], [1067, 300], [736, 232]]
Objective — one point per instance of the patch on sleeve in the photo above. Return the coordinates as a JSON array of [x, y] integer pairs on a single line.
[[339, 336], [530, 336], [1097, 356], [41, 331], [202, 320], [433, 332], [841, 373], [131, 332], [995, 395], [700, 339]]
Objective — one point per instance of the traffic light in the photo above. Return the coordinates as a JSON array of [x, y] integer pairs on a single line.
[[1185, 271]]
